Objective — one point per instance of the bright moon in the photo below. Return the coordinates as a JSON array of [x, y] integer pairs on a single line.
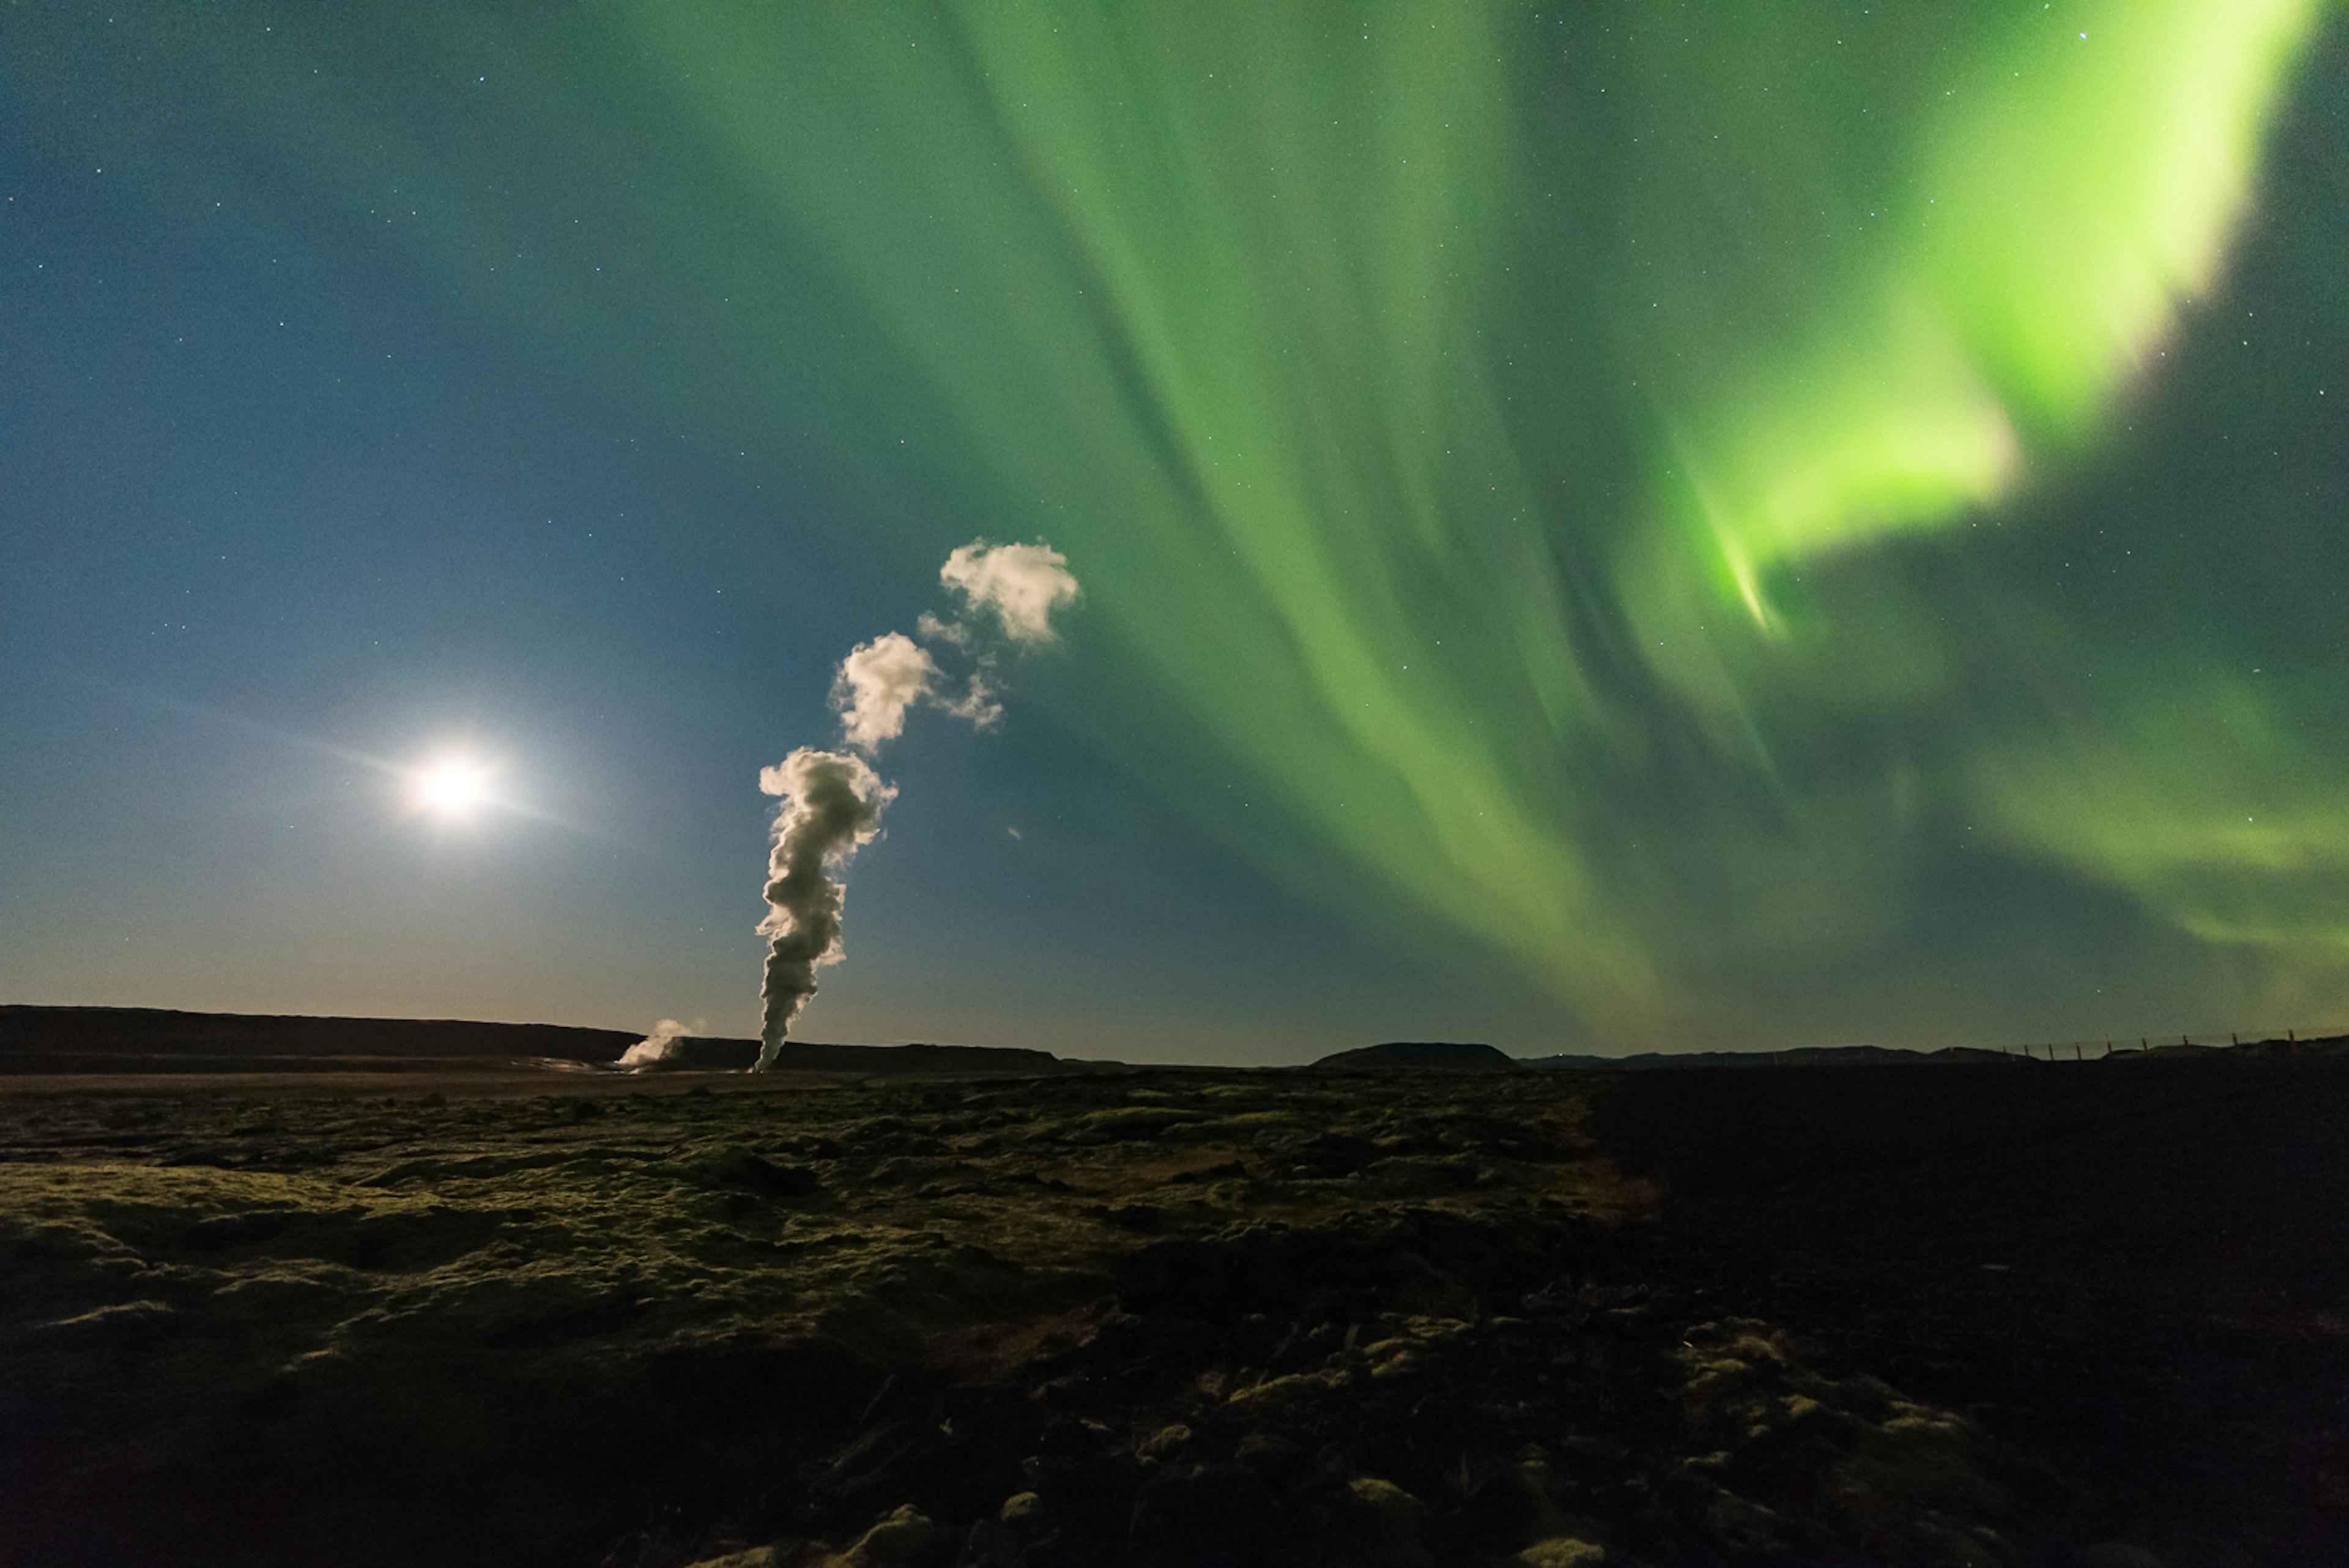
[[452, 788]]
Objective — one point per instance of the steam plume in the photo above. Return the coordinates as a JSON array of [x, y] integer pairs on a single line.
[[877, 682], [930, 628], [832, 807], [1019, 584], [662, 1047], [832, 801]]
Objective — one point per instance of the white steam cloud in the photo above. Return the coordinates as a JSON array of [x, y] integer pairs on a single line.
[[982, 705], [832, 801], [877, 682], [665, 1047], [930, 628], [1019, 584]]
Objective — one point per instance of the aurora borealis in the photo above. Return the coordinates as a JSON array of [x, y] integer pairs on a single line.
[[1643, 521]]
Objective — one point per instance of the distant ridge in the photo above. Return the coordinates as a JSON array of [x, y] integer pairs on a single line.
[[1803, 1056], [796, 1056], [156, 1040], [1419, 1055], [1882, 1055]]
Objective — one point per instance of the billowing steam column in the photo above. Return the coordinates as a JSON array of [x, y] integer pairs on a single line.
[[832, 801]]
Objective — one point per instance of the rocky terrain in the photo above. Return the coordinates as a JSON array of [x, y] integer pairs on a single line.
[[1167, 1318]]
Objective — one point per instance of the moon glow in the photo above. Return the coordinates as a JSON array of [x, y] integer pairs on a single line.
[[453, 788]]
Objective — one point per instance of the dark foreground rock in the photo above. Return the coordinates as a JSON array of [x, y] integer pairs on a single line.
[[2136, 1281], [1418, 1389]]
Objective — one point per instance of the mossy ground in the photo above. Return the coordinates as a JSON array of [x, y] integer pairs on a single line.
[[1160, 1318]]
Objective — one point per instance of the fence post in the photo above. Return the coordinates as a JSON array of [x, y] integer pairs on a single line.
[[2108, 1045], [2141, 1044], [2233, 1038], [2075, 1052], [2291, 1038]]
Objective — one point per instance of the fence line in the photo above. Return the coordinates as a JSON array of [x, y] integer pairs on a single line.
[[2114, 1045]]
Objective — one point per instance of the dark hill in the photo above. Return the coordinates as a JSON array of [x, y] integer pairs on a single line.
[[958, 1059], [154, 1040], [1879, 1055], [1419, 1055], [1803, 1056]]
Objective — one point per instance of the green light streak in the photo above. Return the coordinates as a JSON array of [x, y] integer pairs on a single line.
[[2210, 806], [2071, 186], [1232, 286]]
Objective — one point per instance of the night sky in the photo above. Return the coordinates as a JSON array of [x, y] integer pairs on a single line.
[[1602, 526]]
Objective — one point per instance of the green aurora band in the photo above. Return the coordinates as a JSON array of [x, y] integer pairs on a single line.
[[1570, 468]]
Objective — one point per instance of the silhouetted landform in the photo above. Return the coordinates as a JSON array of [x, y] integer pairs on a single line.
[[956, 1060], [1419, 1055], [152, 1040], [2280, 1050], [134, 1040], [1802, 1056], [1882, 1055]]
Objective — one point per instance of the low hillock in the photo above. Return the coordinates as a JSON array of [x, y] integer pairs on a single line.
[[1420, 1056]]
